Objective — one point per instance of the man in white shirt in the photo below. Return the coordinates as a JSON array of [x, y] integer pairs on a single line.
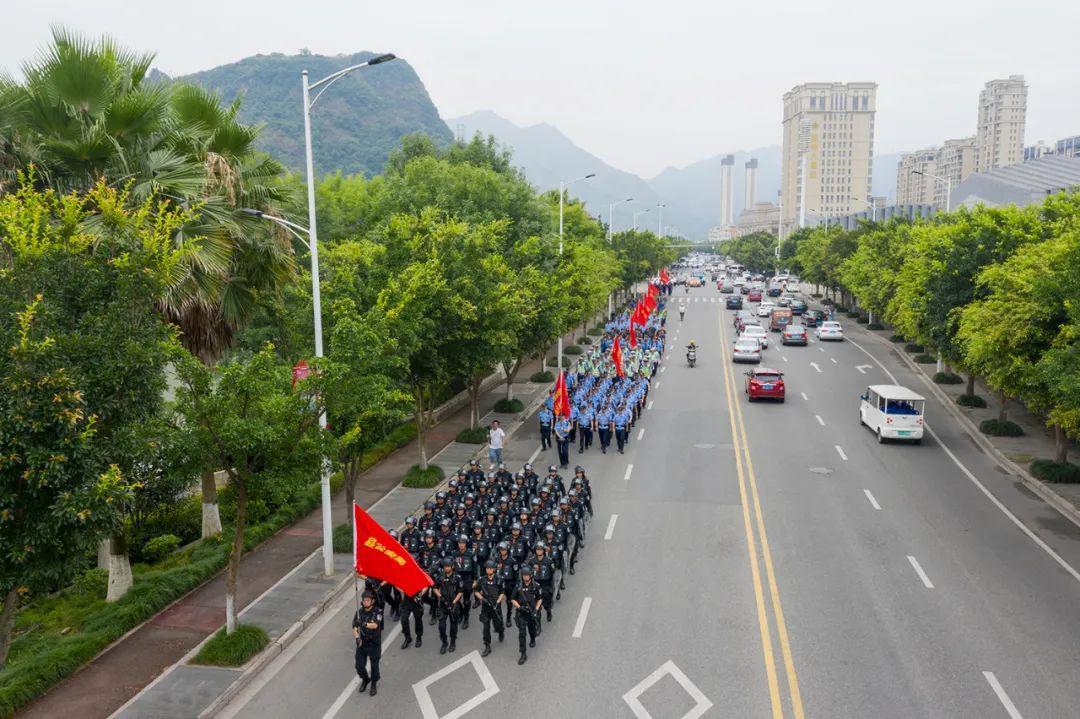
[[495, 444]]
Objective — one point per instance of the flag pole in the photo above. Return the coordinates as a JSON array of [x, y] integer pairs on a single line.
[[355, 579]]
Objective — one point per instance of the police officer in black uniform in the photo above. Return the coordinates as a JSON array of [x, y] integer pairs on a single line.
[[489, 591], [448, 590], [367, 628], [465, 568], [507, 571], [413, 607], [544, 572], [527, 601]]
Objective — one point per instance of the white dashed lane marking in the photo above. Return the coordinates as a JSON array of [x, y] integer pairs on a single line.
[[873, 501], [611, 526], [919, 570]]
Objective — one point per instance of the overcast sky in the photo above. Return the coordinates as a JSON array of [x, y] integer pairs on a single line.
[[644, 85]]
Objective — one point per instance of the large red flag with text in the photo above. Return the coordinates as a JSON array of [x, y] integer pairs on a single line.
[[616, 357], [654, 291], [378, 555], [650, 304], [561, 408], [664, 276]]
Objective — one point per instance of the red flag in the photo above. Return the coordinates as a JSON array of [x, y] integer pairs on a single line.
[[616, 356], [633, 337], [300, 371], [654, 291], [639, 315], [650, 304], [561, 407], [664, 276], [378, 555]]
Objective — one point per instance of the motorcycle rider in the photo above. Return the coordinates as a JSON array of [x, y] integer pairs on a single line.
[[691, 353], [682, 310]]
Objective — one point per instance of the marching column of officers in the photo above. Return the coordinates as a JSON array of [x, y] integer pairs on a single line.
[[497, 542]]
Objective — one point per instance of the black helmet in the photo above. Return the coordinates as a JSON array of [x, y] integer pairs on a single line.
[[535, 501], [539, 545], [447, 562], [462, 473], [490, 475], [393, 533], [490, 513], [503, 545], [440, 495], [504, 500], [578, 469], [462, 539], [527, 467], [514, 488], [473, 463], [526, 571], [452, 483], [410, 520], [489, 564], [502, 465], [553, 469], [515, 525], [445, 522], [429, 505], [469, 496], [429, 533], [549, 528], [460, 507], [572, 493], [477, 525]]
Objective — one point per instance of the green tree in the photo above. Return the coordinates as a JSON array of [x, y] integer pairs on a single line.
[[872, 271]]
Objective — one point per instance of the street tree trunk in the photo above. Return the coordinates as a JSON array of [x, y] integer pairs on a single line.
[[421, 422], [1061, 445], [7, 622], [120, 579], [1003, 410], [474, 401], [970, 384], [511, 372], [234, 558], [211, 515]]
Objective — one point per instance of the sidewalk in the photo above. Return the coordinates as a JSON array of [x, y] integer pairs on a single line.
[[283, 575], [1012, 454]]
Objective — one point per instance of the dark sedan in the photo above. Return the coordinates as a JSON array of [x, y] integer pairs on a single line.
[[797, 307], [794, 335], [812, 318], [734, 302]]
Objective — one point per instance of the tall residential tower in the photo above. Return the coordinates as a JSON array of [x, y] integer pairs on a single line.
[[828, 149], [999, 139]]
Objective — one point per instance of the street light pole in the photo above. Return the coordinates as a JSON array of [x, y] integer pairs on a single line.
[[660, 219], [313, 246], [639, 212], [611, 216], [948, 186], [871, 205], [562, 189]]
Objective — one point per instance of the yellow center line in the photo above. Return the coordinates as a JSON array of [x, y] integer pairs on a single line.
[[755, 572]]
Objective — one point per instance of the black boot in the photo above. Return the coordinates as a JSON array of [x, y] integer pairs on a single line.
[[532, 642], [419, 641], [374, 689], [405, 644], [501, 636], [522, 658], [549, 615], [487, 650], [453, 646], [363, 685], [442, 649]]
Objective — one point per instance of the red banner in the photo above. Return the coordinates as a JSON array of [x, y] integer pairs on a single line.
[[561, 407], [650, 304], [633, 336], [664, 276], [653, 291], [378, 555], [616, 357]]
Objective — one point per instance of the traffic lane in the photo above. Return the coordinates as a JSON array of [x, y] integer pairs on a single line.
[[1016, 608], [844, 605]]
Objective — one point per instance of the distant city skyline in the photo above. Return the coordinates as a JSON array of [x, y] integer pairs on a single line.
[[642, 88]]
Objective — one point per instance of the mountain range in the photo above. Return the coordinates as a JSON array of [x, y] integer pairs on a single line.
[[362, 119]]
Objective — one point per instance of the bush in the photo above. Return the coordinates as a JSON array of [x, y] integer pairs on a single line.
[[343, 540], [997, 428], [1055, 472], [585, 340], [596, 331], [509, 406], [417, 478], [971, 400], [476, 435], [948, 378], [925, 358], [572, 350], [913, 348], [875, 326], [854, 314], [542, 377], [840, 308], [553, 361], [232, 650], [861, 320], [160, 547], [897, 338], [93, 583]]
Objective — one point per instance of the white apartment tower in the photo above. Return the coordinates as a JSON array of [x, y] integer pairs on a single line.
[[999, 139], [828, 149], [914, 184]]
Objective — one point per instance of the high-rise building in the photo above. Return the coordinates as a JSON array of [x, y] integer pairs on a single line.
[[727, 191], [828, 149], [999, 139], [750, 184], [955, 162], [914, 181]]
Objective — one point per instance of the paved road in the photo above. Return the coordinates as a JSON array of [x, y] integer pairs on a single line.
[[767, 560]]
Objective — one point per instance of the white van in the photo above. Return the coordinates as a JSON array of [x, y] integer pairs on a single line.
[[892, 412]]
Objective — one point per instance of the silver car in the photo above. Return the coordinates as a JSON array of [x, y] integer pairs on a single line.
[[746, 350]]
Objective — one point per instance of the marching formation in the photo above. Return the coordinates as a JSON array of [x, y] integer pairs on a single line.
[[499, 543]]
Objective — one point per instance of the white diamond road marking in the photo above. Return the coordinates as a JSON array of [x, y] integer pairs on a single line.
[[423, 697], [633, 700]]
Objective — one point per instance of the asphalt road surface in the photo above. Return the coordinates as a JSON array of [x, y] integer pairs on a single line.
[[759, 560]]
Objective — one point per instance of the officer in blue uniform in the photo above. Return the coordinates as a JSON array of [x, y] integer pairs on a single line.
[[546, 418], [586, 422], [562, 440], [604, 418], [622, 426], [575, 415]]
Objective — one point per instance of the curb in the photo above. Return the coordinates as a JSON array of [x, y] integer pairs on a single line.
[[1040, 488]]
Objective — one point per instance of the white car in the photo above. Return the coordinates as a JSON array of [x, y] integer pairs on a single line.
[[765, 308], [829, 331], [756, 332], [746, 350]]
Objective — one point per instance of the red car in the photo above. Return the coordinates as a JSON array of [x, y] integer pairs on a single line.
[[764, 382], [754, 295]]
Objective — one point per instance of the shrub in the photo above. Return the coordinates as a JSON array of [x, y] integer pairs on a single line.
[[897, 338], [572, 350], [948, 378], [596, 331], [160, 547], [914, 348], [417, 478], [585, 340], [553, 361], [509, 406], [861, 320], [542, 377], [875, 326], [997, 428], [474, 435], [853, 314], [232, 650], [840, 308], [1056, 472], [93, 583], [925, 358], [343, 540], [971, 400]]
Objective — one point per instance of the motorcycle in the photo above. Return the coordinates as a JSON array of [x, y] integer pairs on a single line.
[[682, 315], [691, 357]]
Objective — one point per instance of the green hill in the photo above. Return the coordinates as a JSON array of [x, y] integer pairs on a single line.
[[355, 124]]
